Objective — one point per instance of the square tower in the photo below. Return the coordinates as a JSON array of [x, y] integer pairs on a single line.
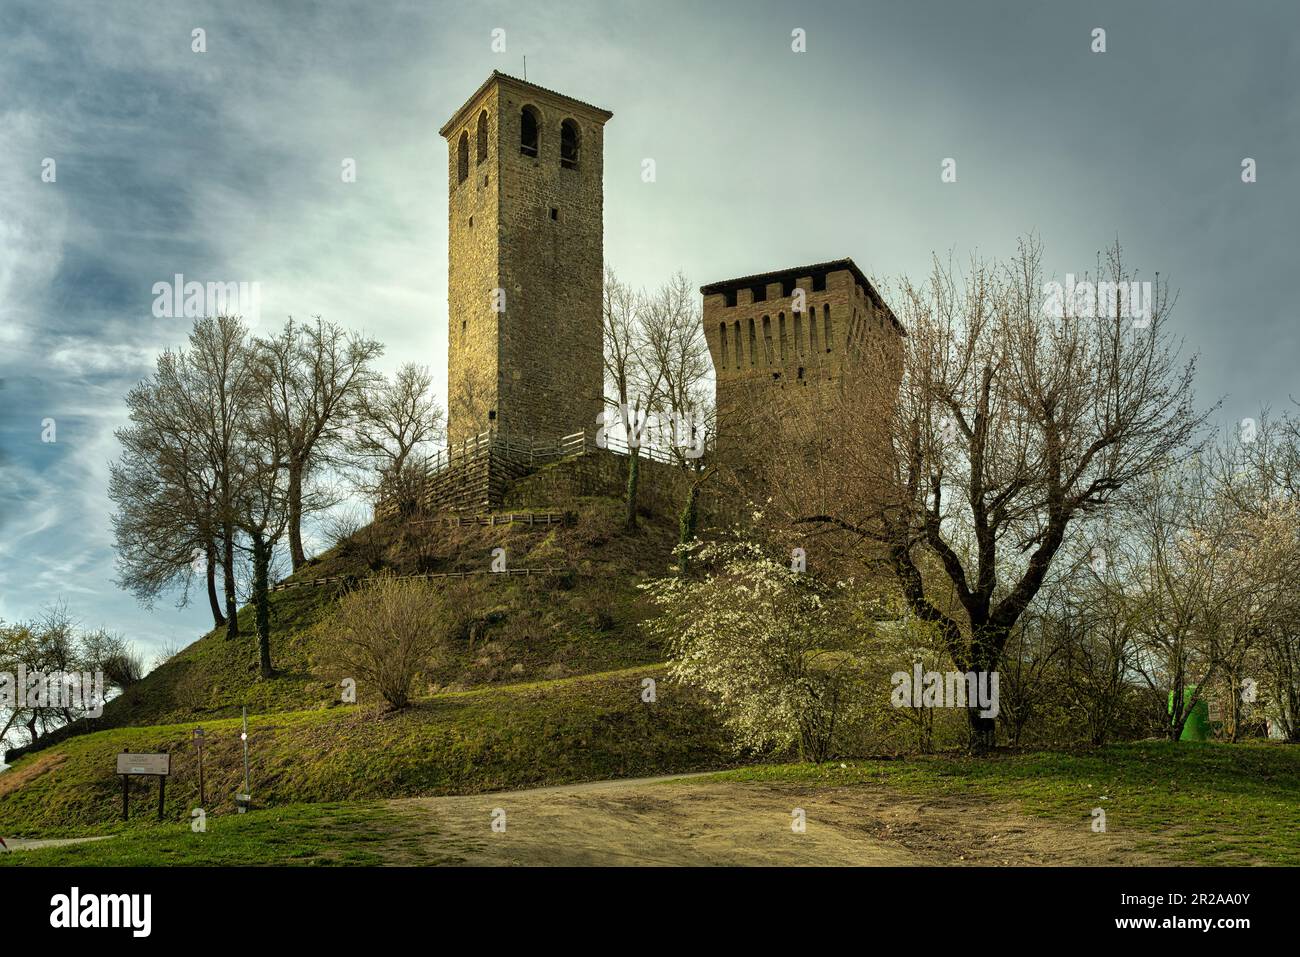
[[792, 351], [525, 262]]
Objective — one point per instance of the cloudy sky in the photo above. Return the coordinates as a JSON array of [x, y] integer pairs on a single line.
[[225, 165]]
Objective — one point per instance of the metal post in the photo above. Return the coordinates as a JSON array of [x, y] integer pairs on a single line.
[[198, 743], [162, 788], [245, 737], [126, 802]]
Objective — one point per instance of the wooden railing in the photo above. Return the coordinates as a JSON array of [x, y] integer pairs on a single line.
[[427, 576], [522, 449], [510, 518]]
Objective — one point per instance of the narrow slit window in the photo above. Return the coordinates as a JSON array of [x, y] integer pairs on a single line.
[[722, 344], [826, 326], [753, 343], [780, 323]]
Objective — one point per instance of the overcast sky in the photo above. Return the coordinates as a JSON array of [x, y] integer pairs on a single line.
[[225, 166]]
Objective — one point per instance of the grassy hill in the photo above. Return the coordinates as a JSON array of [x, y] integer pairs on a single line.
[[540, 683], [457, 742], [505, 629]]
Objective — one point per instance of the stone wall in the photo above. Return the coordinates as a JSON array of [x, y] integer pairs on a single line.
[[661, 489], [781, 373], [532, 228], [473, 272]]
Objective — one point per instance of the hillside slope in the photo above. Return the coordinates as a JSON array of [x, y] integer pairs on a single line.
[[582, 619], [540, 683], [575, 729]]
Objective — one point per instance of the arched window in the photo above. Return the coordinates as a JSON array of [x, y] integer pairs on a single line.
[[482, 136], [826, 315], [462, 158], [528, 131], [767, 340], [569, 144], [736, 339], [753, 343], [798, 335], [722, 344], [781, 329], [812, 331]]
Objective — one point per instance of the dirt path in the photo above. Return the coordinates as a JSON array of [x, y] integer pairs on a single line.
[[31, 844], [690, 820]]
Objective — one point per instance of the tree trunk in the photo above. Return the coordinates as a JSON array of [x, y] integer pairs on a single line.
[[1179, 716], [218, 619], [986, 647], [1234, 712], [633, 480], [983, 731], [687, 525], [228, 579], [262, 601], [296, 555]]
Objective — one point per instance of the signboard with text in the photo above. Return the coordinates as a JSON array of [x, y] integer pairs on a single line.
[[156, 764]]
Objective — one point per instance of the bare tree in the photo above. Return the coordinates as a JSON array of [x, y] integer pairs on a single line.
[[55, 648], [656, 373], [211, 388], [264, 508], [1258, 474], [395, 419], [1175, 572], [166, 525], [315, 374], [1009, 426], [674, 346], [634, 381]]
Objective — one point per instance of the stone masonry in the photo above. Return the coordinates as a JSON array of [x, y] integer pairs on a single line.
[[525, 338], [782, 360], [525, 262]]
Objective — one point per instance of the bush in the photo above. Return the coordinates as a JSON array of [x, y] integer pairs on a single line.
[[386, 633], [771, 646]]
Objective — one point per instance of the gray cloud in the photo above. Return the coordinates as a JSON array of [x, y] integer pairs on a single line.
[[225, 166]]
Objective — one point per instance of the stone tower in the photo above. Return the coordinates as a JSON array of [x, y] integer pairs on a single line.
[[785, 346], [525, 262]]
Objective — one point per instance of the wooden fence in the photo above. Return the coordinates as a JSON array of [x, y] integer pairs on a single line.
[[428, 576], [510, 518]]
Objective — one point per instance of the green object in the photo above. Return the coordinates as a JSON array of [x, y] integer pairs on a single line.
[[1197, 725]]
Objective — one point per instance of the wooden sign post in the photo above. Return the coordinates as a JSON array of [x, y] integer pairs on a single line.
[[198, 744], [148, 765]]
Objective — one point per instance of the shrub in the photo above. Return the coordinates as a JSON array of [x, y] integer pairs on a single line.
[[386, 633]]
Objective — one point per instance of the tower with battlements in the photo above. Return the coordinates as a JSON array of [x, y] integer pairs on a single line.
[[525, 262], [786, 345]]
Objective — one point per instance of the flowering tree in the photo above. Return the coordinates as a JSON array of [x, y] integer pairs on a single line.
[[773, 645]]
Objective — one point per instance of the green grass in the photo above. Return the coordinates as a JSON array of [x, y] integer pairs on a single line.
[[503, 630], [1224, 803], [518, 736], [358, 834]]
